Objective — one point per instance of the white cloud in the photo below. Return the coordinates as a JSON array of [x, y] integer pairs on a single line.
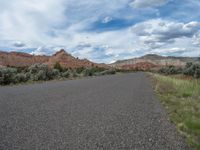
[[147, 3], [53, 22], [169, 50], [196, 40], [39, 51], [107, 19], [31, 20]]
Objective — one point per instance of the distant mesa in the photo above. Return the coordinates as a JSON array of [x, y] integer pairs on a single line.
[[153, 61], [66, 60]]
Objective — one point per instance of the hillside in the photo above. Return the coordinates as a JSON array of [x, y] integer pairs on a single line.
[[146, 62], [18, 59], [152, 61]]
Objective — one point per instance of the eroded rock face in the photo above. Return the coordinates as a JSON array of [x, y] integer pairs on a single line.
[[16, 59], [68, 61], [145, 66]]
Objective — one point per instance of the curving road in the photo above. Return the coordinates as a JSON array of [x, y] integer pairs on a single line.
[[118, 112]]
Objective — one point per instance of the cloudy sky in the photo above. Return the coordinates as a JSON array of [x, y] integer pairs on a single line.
[[101, 30]]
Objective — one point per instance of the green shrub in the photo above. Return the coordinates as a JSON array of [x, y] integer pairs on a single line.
[[7, 75], [189, 70], [42, 72], [87, 72], [41, 75], [55, 73], [108, 72], [170, 70], [28, 75], [80, 70], [98, 69], [33, 69], [188, 64], [38, 72], [74, 73], [92, 71], [97, 74], [111, 71], [197, 73], [66, 74], [21, 77], [58, 66], [36, 67], [192, 70]]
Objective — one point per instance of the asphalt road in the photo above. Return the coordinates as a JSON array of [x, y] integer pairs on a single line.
[[118, 112]]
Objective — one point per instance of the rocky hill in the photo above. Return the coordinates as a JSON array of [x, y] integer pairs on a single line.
[[18, 59], [152, 61]]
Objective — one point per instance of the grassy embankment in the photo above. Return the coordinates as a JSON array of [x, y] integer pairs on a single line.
[[182, 100]]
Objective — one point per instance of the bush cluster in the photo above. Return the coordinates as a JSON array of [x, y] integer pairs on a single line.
[[8, 75], [190, 69], [171, 70], [41, 72]]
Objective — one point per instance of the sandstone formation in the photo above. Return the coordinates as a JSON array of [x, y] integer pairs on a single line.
[[16, 59]]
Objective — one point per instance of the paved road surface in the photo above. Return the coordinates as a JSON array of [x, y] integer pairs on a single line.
[[108, 113]]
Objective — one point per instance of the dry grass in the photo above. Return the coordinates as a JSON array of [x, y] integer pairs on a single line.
[[182, 101]]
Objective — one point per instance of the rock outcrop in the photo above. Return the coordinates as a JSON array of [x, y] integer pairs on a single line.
[[16, 59], [68, 61]]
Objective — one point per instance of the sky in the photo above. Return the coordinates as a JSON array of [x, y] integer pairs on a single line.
[[101, 30]]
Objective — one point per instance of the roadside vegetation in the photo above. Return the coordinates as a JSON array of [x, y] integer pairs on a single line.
[[190, 69], [181, 97], [41, 72]]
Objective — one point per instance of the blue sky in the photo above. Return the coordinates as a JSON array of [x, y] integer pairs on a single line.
[[101, 30]]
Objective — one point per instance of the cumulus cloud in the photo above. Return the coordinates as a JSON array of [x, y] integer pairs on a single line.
[[147, 3], [158, 32], [30, 21], [40, 51], [46, 50], [196, 39], [51, 21]]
